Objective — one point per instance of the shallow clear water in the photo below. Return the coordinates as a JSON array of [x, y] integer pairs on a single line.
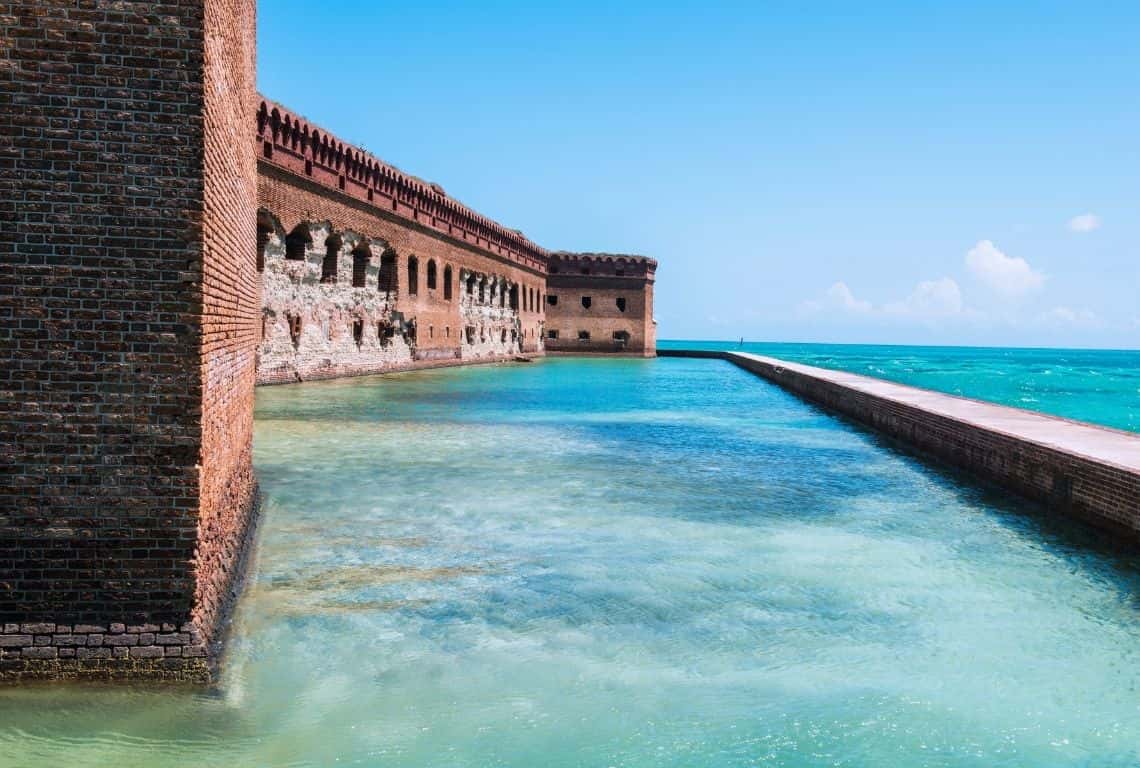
[[626, 563], [1097, 385]]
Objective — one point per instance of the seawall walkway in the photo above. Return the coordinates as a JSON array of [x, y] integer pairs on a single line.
[[1083, 470]]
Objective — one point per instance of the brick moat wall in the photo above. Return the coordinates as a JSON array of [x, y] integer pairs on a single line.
[[600, 303], [129, 321], [1100, 493]]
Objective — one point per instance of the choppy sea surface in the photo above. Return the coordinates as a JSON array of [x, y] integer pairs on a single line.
[[626, 563], [1097, 385]]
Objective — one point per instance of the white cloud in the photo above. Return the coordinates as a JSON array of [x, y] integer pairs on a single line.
[[930, 299], [839, 295], [1086, 222], [1010, 276]]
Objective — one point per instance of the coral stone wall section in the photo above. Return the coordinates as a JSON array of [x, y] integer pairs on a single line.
[[600, 303], [351, 287], [123, 330]]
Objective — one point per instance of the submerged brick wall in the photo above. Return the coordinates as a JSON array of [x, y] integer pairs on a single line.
[[128, 321], [601, 303]]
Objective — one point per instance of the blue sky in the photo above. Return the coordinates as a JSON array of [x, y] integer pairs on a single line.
[[910, 172]]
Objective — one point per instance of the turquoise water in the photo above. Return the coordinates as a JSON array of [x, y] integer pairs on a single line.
[[626, 563], [1101, 386]]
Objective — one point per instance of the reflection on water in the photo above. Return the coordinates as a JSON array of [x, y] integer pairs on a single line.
[[626, 562]]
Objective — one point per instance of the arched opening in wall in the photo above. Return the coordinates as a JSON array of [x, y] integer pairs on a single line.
[[294, 322], [583, 335], [432, 278], [361, 257], [621, 303], [389, 275], [503, 337], [384, 333], [586, 302], [621, 339], [552, 334], [332, 255], [502, 294], [413, 276], [469, 333], [297, 241], [447, 283], [515, 298], [358, 332], [471, 285], [533, 302], [552, 300], [265, 229], [483, 290]]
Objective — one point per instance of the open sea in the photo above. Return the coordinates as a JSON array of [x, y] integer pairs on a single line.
[[1097, 385], [623, 562]]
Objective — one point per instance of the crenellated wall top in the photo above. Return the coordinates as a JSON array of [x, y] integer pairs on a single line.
[[295, 144], [610, 264]]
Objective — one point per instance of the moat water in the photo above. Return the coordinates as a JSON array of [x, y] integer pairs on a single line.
[[626, 563]]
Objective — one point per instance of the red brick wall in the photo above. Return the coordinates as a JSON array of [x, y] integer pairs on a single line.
[[291, 199], [113, 326], [230, 308], [603, 279]]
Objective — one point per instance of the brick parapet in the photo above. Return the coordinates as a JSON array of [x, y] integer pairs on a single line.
[[293, 143]]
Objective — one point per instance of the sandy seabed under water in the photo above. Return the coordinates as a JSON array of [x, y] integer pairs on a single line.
[[626, 563]]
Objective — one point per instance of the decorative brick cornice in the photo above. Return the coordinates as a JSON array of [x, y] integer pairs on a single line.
[[293, 143]]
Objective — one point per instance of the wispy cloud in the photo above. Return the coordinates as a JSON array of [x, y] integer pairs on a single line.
[[929, 300], [1086, 222], [1066, 317], [1009, 276]]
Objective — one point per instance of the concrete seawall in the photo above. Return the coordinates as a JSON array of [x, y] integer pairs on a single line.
[[1082, 470]]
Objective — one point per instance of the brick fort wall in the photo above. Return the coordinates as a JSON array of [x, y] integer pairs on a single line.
[[129, 304], [600, 303]]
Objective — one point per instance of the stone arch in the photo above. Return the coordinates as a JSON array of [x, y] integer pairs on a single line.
[[267, 226], [361, 258], [389, 279], [413, 275], [432, 276], [297, 241], [333, 244]]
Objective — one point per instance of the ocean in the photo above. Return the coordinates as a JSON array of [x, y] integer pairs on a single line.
[[1096, 385]]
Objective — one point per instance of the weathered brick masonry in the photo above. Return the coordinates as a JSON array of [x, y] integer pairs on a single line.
[[130, 306], [169, 239], [600, 303], [1081, 470], [367, 269]]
